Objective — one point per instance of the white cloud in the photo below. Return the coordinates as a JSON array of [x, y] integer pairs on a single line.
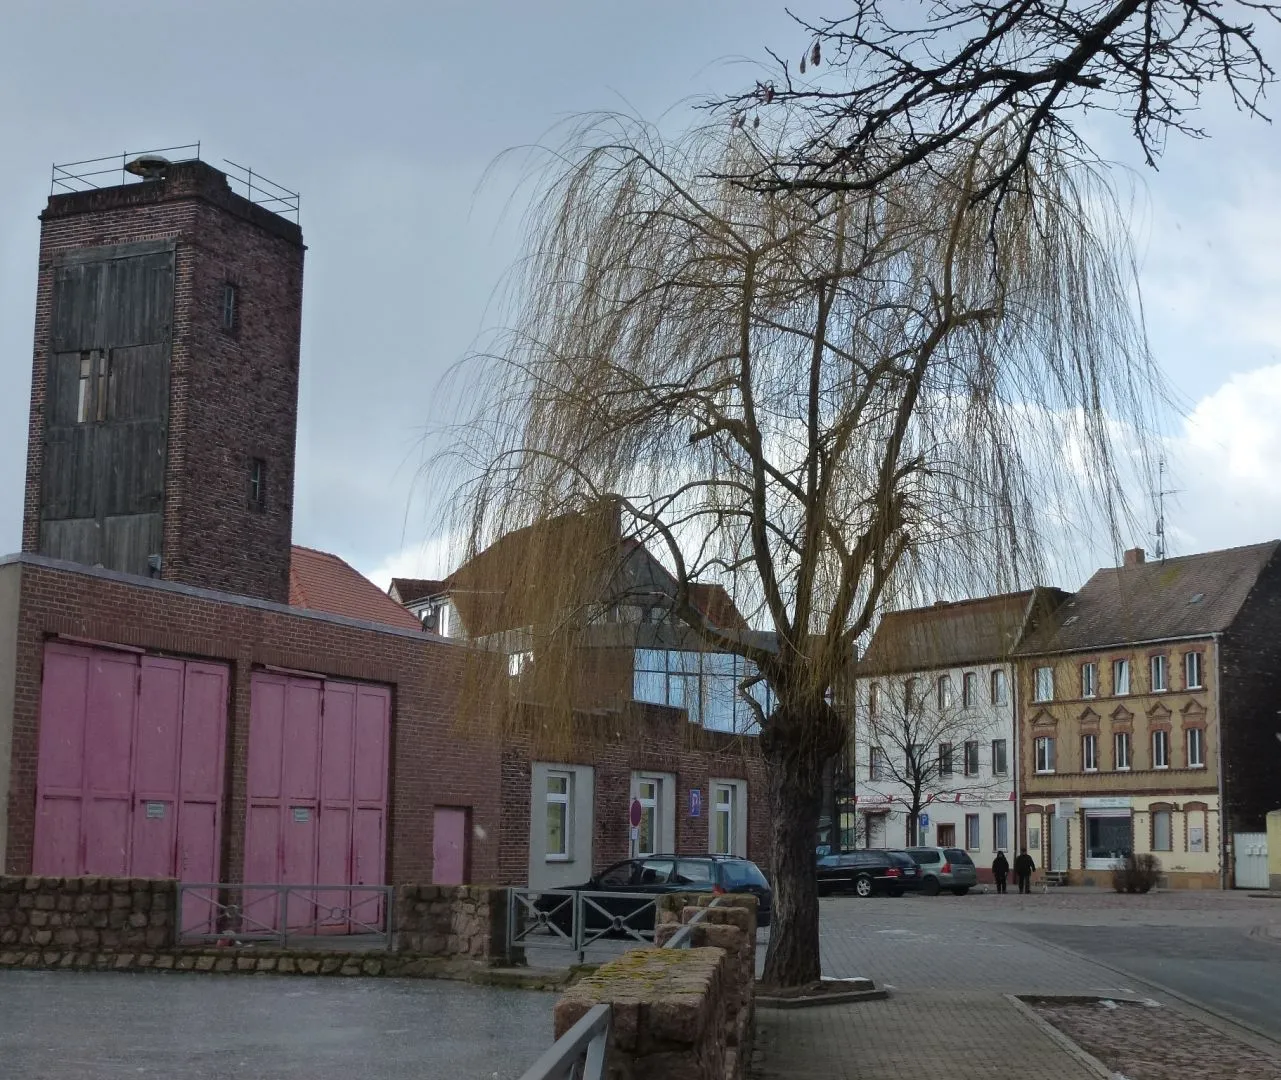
[[432, 558]]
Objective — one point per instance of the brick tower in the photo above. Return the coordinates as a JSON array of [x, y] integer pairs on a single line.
[[164, 397]]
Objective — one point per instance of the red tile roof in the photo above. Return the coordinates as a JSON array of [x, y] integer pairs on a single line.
[[319, 581]]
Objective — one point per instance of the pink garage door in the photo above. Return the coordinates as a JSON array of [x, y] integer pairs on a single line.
[[317, 799], [129, 780]]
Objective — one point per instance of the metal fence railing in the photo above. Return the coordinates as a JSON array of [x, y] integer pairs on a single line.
[[583, 1046], [278, 913], [574, 920]]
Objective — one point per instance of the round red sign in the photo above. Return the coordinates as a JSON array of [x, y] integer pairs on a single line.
[[635, 815]]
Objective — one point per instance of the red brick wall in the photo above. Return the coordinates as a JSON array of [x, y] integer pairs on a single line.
[[433, 762], [233, 397], [641, 737]]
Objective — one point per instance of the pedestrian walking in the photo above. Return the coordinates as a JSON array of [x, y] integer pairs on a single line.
[[1024, 867], [1000, 871]]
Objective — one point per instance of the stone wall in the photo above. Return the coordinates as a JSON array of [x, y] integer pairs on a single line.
[[86, 914], [678, 1014], [452, 920]]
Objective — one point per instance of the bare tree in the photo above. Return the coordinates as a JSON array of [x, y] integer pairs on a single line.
[[822, 403], [917, 746], [896, 88]]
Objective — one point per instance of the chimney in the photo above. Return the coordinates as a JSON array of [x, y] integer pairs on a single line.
[[1135, 557]]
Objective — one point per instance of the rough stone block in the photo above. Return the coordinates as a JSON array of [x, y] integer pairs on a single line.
[[287, 965], [267, 963], [45, 902], [351, 967], [42, 937], [246, 963], [138, 920], [309, 966], [164, 962], [372, 967], [224, 964], [329, 965], [38, 918], [205, 963]]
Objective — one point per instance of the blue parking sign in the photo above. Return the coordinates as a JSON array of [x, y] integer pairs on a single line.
[[695, 802], [925, 821]]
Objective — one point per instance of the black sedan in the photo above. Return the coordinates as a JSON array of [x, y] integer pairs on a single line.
[[629, 886], [867, 873]]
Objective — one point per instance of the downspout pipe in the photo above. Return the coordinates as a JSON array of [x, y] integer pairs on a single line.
[[1218, 754]]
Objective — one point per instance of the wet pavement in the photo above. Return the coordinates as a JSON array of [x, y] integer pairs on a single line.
[[78, 1026]]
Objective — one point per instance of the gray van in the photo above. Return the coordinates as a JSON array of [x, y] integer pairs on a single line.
[[945, 868]]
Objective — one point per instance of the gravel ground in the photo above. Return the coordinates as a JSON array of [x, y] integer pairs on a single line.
[[1140, 1042]]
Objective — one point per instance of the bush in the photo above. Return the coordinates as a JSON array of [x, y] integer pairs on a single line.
[[1138, 874]]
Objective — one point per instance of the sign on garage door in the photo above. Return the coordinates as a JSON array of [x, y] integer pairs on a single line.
[[130, 771], [317, 778]]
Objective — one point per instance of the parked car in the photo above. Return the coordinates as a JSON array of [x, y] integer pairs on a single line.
[[644, 878], [945, 868], [868, 872]]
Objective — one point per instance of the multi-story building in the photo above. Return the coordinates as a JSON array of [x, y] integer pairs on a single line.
[[1147, 707], [935, 740]]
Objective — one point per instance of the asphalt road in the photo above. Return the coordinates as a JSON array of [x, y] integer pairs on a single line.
[[1224, 969], [61, 1025]]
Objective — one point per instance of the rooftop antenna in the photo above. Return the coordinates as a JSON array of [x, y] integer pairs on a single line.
[[1161, 492]]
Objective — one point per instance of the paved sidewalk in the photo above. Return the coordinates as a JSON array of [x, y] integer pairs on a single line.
[[960, 1034]]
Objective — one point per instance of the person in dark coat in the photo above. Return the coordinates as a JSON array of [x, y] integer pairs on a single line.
[[1000, 871], [1023, 869]]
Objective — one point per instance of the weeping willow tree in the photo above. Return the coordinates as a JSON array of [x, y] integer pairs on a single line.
[[825, 403]]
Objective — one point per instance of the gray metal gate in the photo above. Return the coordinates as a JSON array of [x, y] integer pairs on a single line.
[[1251, 851], [1059, 844]]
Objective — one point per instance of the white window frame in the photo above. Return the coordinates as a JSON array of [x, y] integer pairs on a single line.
[[944, 691], [1044, 761], [971, 765], [1000, 832], [651, 806], [1043, 684], [1159, 665], [1169, 830], [564, 799], [1120, 739], [1089, 752], [974, 842], [1090, 679], [1120, 678], [969, 690], [517, 662], [1197, 735], [1000, 696], [1161, 737], [733, 812], [1194, 659]]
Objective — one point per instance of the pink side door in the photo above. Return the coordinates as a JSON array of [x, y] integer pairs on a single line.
[[449, 846], [109, 731], [200, 786], [64, 696], [333, 854], [154, 825], [265, 813], [369, 790]]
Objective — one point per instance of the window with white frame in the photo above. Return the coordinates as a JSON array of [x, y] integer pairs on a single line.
[[1162, 831], [874, 699], [945, 759], [723, 799], [1045, 754], [1160, 672], [973, 833], [876, 764], [1196, 748], [1043, 684], [1090, 753], [517, 662], [969, 690], [1089, 680], [1121, 751], [560, 794], [972, 757], [1000, 757], [944, 692], [1120, 677], [1000, 831], [1192, 672], [1160, 749], [649, 791], [1000, 688], [911, 694]]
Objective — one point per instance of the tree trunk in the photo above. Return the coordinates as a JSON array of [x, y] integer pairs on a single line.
[[796, 748]]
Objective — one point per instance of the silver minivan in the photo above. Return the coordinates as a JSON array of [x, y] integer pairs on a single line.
[[945, 868]]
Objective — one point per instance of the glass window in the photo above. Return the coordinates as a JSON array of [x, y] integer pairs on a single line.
[[911, 694], [973, 832], [650, 679], [258, 483], [1001, 831], [874, 699], [1162, 833], [83, 388], [517, 662], [1045, 754], [692, 872], [648, 789], [1192, 670], [655, 872], [1089, 680], [970, 690], [1160, 674], [916, 761], [1120, 677], [229, 298], [1121, 750], [945, 834], [1196, 748], [1043, 688], [559, 786], [944, 692], [619, 876], [945, 759], [1000, 758], [1090, 753], [1000, 689], [723, 820], [972, 758], [741, 872], [876, 765], [1160, 749], [1108, 837]]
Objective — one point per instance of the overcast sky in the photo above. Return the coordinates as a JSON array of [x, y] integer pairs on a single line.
[[386, 115]]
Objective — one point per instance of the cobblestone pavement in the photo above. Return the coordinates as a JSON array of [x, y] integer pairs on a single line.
[[961, 1035], [1158, 1044], [77, 1026]]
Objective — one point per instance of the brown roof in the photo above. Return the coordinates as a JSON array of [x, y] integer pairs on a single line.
[[323, 582], [951, 634], [1190, 596], [405, 590], [717, 606]]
